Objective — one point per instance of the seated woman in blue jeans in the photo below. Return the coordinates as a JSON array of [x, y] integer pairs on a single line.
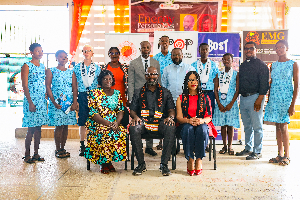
[[194, 115]]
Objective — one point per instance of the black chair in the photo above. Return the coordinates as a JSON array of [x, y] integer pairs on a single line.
[[88, 163], [212, 146], [153, 135]]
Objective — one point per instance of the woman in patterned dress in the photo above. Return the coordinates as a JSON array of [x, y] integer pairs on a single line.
[[282, 99], [35, 104], [226, 112], [61, 80], [106, 140]]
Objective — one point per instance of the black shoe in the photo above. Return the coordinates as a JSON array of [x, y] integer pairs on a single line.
[[243, 153], [207, 148], [139, 169], [81, 151], [150, 151], [254, 156], [164, 170]]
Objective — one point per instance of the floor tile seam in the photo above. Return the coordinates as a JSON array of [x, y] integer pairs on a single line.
[[54, 183]]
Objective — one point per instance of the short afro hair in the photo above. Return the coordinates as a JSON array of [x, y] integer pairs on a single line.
[[59, 52], [33, 46]]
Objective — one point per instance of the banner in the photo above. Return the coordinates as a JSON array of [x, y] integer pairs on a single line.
[[147, 17], [186, 41], [265, 43], [128, 44], [219, 44]]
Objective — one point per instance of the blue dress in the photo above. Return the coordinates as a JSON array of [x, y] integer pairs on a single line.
[[61, 83], [37, 91], [281, 92], [231, 117]]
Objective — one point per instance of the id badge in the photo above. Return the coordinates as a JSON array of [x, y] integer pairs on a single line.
[[223, 96], [203, 85]]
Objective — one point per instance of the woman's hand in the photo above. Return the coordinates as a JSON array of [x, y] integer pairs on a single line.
[[221, 107], [74, 106], [194, 121], [228, 107], [32, 107], [114, 126], [57, 105], [291, 110]]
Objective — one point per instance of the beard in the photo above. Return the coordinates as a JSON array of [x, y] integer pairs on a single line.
[[152, 83], [177, 62]]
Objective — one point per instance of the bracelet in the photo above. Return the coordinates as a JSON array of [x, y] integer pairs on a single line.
[[171, 117]]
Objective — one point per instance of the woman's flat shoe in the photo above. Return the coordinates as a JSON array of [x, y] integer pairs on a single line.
[[198, 172], [105, 170], [111, 168], [191, 172]]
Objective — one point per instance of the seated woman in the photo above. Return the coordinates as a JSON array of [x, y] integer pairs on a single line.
[[106, 139], [194, 115]]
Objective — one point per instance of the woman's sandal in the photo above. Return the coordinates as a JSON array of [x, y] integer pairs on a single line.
[[231, 151], [190, 172], [37, 157], [29, 160], [276, 160], [223, 150], [60, 154], [67, 154], [285, 161], [198, 172], [104, 170], [111, 168]]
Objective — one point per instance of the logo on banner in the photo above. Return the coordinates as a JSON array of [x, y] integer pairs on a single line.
[[271, 37], [128, 51], [179, 43], [217, 45], [253, 36]]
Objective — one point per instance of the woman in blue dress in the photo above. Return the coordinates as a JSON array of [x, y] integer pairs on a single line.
[[226, 112], [59, 113], [282, 99], [35, 103]]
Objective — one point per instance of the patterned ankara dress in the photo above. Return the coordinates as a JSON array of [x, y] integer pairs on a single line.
[[281, 92], [37, 91], [61, 83], [231, 117], [103, 144]]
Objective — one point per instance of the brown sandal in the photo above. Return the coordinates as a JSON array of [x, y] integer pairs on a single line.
[[276, 160], [37, 157], [29, 160], [223, 150], [230, 151], [285, 161]]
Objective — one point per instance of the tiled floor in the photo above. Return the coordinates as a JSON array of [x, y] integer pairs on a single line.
[[235, 178]]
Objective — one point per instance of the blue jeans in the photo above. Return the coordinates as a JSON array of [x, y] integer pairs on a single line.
[[194, 140], [253, 121]]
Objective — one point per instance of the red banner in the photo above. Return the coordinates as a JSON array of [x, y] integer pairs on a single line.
[[147, 17]]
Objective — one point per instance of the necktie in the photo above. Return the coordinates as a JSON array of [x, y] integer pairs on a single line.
[[146, 65]]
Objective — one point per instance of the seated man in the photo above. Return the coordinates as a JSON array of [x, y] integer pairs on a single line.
[[152, 110]]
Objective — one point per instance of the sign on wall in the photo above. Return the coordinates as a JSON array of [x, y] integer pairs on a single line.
[[186, 41], [127, 43], [265, 43], [148, 17]]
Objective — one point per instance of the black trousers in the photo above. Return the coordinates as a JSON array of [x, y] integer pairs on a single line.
[[168, 133]]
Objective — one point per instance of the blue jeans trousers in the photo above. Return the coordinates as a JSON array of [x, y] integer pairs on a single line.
[[253, 122]]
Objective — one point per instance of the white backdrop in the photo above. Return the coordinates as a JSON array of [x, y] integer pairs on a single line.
[[128, 44], [185, 40]]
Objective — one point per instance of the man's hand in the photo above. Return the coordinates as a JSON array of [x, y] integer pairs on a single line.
[[169, 121], [257, 105], [136, 121]]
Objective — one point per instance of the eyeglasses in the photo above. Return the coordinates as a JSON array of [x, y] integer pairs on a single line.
[[282, 47], [190, 80], [112, 53], [251, 49], [151, 74], [86, 51]]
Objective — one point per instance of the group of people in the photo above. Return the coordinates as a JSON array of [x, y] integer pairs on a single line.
[[163, 94]]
